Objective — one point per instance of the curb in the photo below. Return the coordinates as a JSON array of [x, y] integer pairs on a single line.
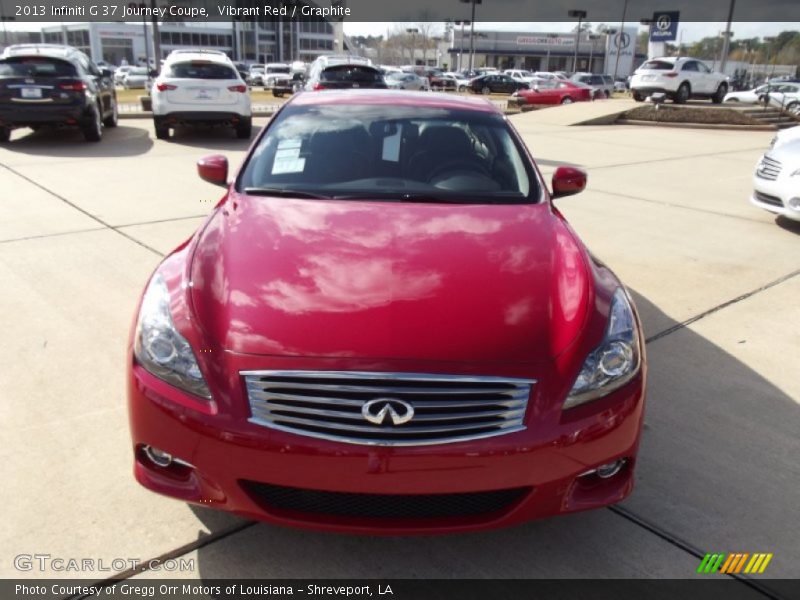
[[697, 125]]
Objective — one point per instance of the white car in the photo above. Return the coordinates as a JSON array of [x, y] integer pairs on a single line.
[[200, 87], [755, 95], [788, 101], [277, 74], [520, 75], [462, 83], [776, 181], [784, 136], [680, 78]]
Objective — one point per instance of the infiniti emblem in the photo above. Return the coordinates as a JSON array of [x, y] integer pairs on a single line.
[[399, 411]]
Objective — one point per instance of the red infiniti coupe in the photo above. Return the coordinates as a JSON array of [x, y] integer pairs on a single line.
[[386, 326], [563, 92]]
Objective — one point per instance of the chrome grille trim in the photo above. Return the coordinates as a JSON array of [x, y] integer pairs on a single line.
[[769, 168], [327, 405]]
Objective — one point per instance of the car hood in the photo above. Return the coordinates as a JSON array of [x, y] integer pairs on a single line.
[[489, 283]]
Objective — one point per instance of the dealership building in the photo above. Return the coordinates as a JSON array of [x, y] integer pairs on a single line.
[[264, 41], [547, 51]]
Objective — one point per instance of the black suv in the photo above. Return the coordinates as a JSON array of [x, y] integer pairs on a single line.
[[51, 85]]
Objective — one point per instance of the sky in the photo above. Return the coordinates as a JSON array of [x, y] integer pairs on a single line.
[[692, 32]]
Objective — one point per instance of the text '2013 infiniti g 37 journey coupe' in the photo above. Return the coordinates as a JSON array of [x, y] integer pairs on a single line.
[[386, 326]]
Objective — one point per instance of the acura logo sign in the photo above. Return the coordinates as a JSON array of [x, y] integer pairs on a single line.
[[622, 40], [398, 411]]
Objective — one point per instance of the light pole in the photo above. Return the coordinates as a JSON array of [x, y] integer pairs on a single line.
[[551, 36], [621, 36], [726, 44], [472, 32], [413, 31], [580, 15], [461, 42], [592, 39]]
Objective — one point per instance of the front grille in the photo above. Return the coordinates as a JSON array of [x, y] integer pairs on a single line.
[[382, 506], [767, 199], [769, 168], [331, 405]]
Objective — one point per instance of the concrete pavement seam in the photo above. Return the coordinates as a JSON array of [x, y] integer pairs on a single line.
[[172, 554], [81, 210], [49, 235], [684, 206], [719, 307], [689, 548]]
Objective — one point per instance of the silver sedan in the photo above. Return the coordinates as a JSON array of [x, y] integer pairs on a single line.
[[407, 81]]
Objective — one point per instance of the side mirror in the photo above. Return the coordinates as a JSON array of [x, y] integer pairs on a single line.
[[568, 181], [213, 169], [106, 72]]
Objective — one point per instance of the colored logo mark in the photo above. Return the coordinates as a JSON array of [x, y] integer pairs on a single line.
[[738, 562]]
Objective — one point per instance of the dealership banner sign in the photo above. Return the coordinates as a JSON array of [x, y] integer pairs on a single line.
[[664, 27]]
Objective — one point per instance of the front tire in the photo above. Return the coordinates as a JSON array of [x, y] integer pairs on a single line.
[[93, 128], [5, 134], [683, 94], [486, 91], [566, 100], [793, 108], [720, 94], [113, 118], [638, 97]]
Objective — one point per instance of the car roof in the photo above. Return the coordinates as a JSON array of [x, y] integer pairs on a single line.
[[51, 50], [198, 54], [394, 97]]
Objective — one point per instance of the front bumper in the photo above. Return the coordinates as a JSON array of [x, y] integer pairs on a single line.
[[286, 478], [775, 196]]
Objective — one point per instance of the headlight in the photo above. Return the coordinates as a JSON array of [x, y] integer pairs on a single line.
[[615, 361], [159, 347]]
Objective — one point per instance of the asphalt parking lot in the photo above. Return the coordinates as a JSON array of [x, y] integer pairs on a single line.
[[715, 279]]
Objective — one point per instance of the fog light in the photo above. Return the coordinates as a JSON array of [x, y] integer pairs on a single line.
[[159, 457], [610, 469], [794, 203]]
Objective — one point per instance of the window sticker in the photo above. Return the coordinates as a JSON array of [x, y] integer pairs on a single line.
[[391, 147]]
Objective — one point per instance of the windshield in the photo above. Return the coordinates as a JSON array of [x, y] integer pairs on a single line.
[[277, 69], [198, 69], [141, 71], [391, 152]]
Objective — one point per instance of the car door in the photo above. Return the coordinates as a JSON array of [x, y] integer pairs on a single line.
[[690, 73], [710, 79], [103, 85]]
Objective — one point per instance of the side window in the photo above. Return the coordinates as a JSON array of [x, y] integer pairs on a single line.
[[690, 66], [703, 68]]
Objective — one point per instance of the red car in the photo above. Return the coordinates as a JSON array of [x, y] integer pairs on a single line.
[[564, 92], [386, 326]]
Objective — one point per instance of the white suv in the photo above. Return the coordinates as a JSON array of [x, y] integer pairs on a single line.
[[200, 87], [680, 78]]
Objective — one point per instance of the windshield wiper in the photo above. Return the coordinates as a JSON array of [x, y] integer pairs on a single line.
[[283, 193], [420, 197]]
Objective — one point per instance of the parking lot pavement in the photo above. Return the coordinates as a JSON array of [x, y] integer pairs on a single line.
[[716, 282]]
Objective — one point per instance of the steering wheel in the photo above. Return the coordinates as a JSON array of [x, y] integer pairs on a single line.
[[456, 165]]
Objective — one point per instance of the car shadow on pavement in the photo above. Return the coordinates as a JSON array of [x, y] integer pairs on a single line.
[[717, 471], [118, 141], [788, 224], [212, 138]]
